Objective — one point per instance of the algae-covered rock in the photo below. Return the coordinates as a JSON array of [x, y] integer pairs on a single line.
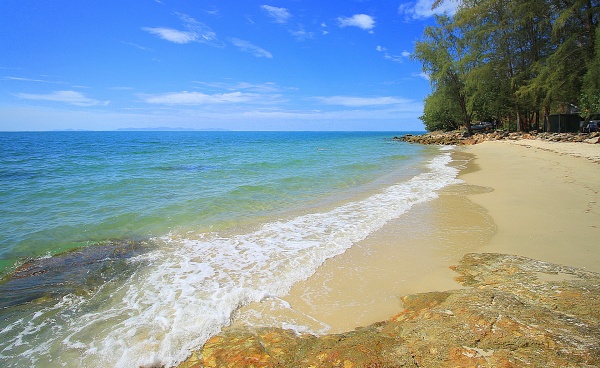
[[517, 312]]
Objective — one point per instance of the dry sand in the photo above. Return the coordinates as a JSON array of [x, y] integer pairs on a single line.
[[519, 198], [545, 199]]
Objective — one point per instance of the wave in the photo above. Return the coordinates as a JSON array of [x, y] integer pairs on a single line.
[[190, 287]]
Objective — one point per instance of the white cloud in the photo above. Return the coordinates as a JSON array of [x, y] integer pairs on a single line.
[[361, 21], [69, 97], [251, 48], [172, 35], [362, 101], [380, 48], [280, 15], [421, 9], [195, 31], [198, 98], [405, 54]]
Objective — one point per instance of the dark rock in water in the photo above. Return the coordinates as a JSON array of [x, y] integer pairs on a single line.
[[516, 312], [76, 271]]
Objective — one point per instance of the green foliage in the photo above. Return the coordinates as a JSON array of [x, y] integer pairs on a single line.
[[512, 60], [442, 53], [589, 101], [441, 112]]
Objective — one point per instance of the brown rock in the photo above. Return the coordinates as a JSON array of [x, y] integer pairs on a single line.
[[517, 312]]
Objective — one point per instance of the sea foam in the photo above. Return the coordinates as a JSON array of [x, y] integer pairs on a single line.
[[188, 289]]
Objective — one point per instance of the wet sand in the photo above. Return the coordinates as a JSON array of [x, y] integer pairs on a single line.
[[516, 199]]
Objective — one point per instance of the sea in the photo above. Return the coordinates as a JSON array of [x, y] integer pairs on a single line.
[[132, 248]]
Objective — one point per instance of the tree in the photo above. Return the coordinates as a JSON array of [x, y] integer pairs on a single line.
[[514, 59], [443, 57], [507, 39], [441, 112], [589, 101]]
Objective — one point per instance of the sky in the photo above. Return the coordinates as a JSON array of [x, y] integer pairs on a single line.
[[212, 64]]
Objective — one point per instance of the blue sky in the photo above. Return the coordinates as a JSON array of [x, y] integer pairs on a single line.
[[201, 64]]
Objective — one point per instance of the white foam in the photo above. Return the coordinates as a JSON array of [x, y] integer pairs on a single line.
[[191, 287]]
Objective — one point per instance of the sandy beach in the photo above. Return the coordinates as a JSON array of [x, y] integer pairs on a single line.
[[531, 198], [545, 200], [518, 199]]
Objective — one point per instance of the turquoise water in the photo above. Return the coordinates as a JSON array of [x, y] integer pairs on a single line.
[[62, 190], [218, 219]]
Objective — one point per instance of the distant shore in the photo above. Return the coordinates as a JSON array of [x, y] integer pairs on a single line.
[[521, 197]]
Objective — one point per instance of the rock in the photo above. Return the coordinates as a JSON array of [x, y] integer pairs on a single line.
[[79, 271], [515, 312], [459, 138]]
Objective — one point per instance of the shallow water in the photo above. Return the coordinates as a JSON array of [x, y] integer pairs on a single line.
[[226, 218]]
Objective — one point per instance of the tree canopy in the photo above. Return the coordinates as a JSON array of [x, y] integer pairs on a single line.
[[511, 61]]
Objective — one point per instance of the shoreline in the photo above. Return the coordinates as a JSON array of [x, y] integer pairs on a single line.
[[541, 201], [365, 284]]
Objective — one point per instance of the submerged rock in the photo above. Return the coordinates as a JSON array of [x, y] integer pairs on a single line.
[[77, 271], [515, 312]]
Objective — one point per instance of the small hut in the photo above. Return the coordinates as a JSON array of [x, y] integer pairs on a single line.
[[563, 123]]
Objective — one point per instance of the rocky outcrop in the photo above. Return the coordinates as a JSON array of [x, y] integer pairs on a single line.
[[448, 138], [460, 138], [515, 312]]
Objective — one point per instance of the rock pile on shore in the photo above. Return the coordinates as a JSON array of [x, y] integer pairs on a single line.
[[514, 312], [460, 138]]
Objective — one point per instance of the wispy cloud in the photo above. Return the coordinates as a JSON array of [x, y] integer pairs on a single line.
[[301, 34], [395, 58], [69, 97], [172, 35], [20, 79], [421, 9], [282, 16], [353, 101], [214, 11], [362, 21], [195, 31], [279, 15], [249, 47], [198, 98], [422, 75], [267, 87], [137, 46]]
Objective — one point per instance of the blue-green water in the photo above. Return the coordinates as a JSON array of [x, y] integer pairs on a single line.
[[228, 217]]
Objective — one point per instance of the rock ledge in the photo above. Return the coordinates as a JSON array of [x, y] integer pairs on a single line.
[[515, 312]]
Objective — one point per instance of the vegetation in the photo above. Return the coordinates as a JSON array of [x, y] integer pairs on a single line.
[[511, 61]]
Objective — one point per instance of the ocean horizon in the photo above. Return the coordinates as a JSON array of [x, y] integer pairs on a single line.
[[131, 248]]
